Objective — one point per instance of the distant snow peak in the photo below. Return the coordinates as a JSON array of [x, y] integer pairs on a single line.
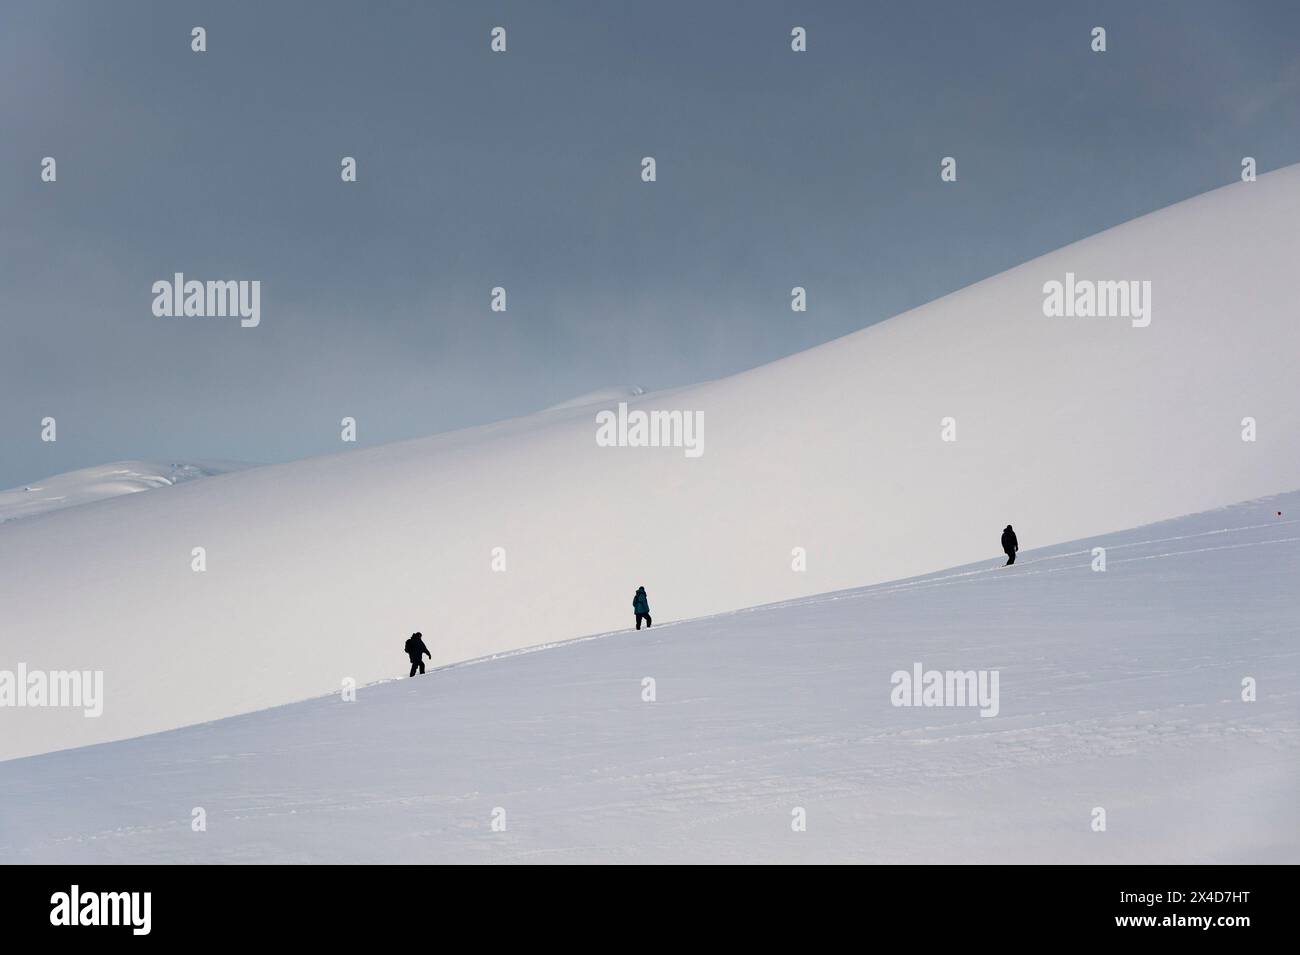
[[102, 482], [922, 687], [1085, 298], [651, 429], [212, 299]]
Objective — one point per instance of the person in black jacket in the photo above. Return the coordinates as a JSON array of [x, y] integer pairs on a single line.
[[1010, 545], [417, 651]]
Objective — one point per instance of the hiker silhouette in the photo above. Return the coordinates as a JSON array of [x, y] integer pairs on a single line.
[[641, 607], [417, 651], [1010, 545]]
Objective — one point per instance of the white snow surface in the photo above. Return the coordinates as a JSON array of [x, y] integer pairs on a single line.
[[317, 570], [1119, 690]]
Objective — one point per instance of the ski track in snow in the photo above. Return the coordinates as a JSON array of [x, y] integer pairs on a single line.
[[1119, 690]]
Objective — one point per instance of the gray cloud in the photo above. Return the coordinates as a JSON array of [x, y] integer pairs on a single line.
[[521, 170]]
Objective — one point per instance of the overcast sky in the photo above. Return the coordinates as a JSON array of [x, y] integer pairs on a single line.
[[522, 170]]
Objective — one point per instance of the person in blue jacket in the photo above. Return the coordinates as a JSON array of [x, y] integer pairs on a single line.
[[641, 607]]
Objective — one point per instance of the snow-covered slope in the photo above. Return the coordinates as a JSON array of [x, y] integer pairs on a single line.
[[317, 570], [1119, 690], [99, 483]]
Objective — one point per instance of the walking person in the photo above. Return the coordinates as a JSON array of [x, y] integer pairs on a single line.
[[1010, 545], [417, 651], [641, 607]]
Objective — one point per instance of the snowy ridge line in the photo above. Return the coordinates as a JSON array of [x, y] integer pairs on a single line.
[[1202, 550], [956, 578], [912, 583], [924, 581], [1145, 543], [886, 589], [1180, 537]]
